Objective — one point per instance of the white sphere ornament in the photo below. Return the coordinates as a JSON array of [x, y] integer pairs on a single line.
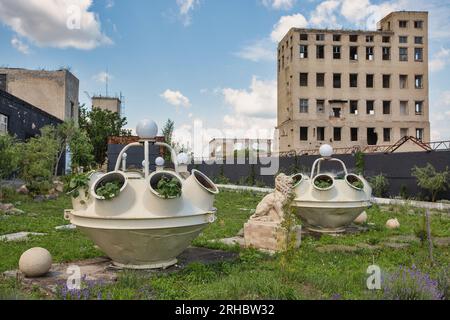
[[392, 224], [362, 218], [183, 158], [326, 151], [159, 161], [35, 262], [147, 129]]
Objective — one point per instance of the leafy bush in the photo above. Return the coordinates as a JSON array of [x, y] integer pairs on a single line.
[[38, 157], [430, 179], [109, 190], [81, 150], [411, 284], [359, 162], [79, 181], [323, 182], [169, 188], [9, 156], [380, 185]]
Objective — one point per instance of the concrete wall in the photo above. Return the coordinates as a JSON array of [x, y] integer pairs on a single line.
[[106, 103]]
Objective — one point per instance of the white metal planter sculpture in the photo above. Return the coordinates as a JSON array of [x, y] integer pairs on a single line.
[[141, 228], [328, 204]]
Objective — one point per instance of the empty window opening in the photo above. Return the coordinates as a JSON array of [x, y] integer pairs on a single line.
[[353, 53], [387, 134], [354, 134], [320, 52], [336, 52], [369, 80], [369, 53], [418, 54], [303, 52], [320, 133], [336, 80], [372, 137], [303, 79], [353, 80], [320, 106], [354, 107], [403, 81], [419, 134], [419, 107], [386, 107], [386, 53], [304, 133], [320, 79], [419, 81], [386, 81], [370, 107], [353, 38]]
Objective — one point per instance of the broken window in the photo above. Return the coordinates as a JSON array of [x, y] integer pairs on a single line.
[[386, 39], [369, 53], [418, 54], [418, 24], [320, 133], [320, 37], [419, 81], [419, 134], [387, 134], [337, 134], [353, 80], [354, 134], [386, 81], [304, 133], [372, 137], [353, 38], [303, 37], [403, 132], [370, 107], [320, 106], [386, 107], [418, 40], [369, 80], [303, 105], [419, 107], [303, 51], [3, 124], [336, 52], [336, 112], [403, 54], [320, 52], [353, 53], [403, 24], [336, 37], [336, 80], [303, 79], [403, 81], [354, 107], [386, 53], [369, 38], [320, 79]]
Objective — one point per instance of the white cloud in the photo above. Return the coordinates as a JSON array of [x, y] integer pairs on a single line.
[[46, 22], [440, 60], [185, 10], [176, 98], [103, 77], [279, 4], [260, 100], [324, 15], [20, 46], [260, 50], [109, 4], [285, 24]]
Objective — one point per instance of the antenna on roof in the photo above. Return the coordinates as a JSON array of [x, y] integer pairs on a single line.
[[107, 80]]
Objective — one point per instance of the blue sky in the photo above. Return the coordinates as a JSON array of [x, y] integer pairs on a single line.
[[203, 60]]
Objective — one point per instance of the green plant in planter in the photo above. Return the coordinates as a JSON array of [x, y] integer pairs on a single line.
[[358, 184], [109, 190], [79, 181], [323, 183], [169, 188]]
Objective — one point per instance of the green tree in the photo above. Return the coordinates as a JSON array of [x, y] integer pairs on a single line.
[[380, 185], [430, 179], [37, 161], [100, 124], [82, 151], [63, 134], [9, 155], [167, 132]]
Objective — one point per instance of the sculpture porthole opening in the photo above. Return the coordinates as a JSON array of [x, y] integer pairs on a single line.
[[205, 182], [354, 182], [297, 179], [165, 185], [323, 182], [109, 186]]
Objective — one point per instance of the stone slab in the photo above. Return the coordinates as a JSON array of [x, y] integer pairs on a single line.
[[66, 227], [19, 236], [268, 236]]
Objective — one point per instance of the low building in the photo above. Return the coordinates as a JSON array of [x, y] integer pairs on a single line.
[[107, 103], [21, 119], [55, 92], [223, 148]]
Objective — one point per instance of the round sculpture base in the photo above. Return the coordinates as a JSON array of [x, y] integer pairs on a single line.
[[325, 230], [157, 265]]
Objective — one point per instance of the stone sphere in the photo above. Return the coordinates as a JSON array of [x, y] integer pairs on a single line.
[[147, 129], [392, 224], [362, 218], [326, 151], [183, 158], [159, 161], [35, 262]]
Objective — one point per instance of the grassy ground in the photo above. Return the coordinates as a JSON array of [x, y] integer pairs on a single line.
[[308, 274]]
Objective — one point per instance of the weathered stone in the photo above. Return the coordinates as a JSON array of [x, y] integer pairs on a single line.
[[51, 196], [268, 235], [19, 236], [66, 227], [35, 262], [58, 186], [15, 212], [231, 241], [5, 207], [23, 190], [362, 218], [39, 198]]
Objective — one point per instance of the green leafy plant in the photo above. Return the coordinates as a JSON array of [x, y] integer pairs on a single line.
[[380, 185], [360, 162], [9, 156], [355, 181], [323, 182], [109, 190], [78, 182], [169, 188], [432, 180]]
